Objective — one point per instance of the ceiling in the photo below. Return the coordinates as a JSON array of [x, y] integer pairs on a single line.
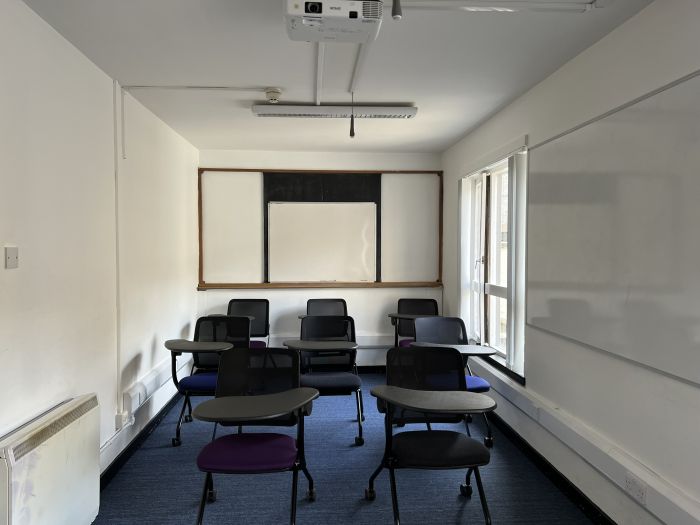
[[457, 67]]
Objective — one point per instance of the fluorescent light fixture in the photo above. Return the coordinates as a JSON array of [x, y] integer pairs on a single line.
[[331, 111], [505, 6]]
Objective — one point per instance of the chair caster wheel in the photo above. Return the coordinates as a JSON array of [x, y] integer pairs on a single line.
[[465, 490], [188, 419], [363, 418], [211, 496], [370, 495], [488, 441], [176, 442], [311, 495], [359, 441]]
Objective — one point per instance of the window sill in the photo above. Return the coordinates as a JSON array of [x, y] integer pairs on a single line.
[[499, 363]]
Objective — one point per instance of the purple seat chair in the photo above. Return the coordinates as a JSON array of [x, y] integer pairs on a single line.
[[332, 372], [259, 310], [249, 372], [414, 307], [451, 330], [202, 378]]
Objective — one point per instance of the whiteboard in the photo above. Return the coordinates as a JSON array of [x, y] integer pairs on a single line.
[[322, 241], [613, 233], [410, 227], [232, 224]]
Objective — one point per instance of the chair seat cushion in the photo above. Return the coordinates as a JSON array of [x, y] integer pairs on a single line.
[[332, 383], [198, 383], [248, 453], [477, 384], [438, 449], [405, 342], [255, 343]]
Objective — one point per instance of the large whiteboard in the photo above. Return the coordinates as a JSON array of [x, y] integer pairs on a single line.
[[614, 233], [322, 241]]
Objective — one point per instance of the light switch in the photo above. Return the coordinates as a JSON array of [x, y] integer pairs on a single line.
[[11, 257]]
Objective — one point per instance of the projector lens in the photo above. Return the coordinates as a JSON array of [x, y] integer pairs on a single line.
[[315, 8]]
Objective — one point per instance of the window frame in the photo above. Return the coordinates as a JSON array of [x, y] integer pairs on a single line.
[[476, 276]]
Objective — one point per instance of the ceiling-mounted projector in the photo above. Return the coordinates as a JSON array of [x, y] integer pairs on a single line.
[[334, 20]]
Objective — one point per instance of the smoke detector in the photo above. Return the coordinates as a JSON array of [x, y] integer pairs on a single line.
[[273, 95]]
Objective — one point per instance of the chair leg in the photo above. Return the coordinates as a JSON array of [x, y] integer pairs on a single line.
[[188, 417], [465, 489], [488, 440], [311, 493], [362, 406], [467, 420], [394, 497], [295, 479], [482, 497], [203, 502], [370, 494], [213, 434], [359, 440], [176, 440]]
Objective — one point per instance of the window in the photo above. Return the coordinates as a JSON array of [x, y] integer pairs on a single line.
[[493, 258]]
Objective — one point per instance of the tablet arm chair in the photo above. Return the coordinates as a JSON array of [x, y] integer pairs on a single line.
[[416, 307], [202, 378], [418, 373], [259, 310], [332, 372], [451, 330], [272, 373]]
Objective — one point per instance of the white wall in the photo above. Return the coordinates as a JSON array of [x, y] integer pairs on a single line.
[[369, 307], [622, 417], [76, 317], [57, 310]]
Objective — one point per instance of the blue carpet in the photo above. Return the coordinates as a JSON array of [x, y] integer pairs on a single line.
[[160, 484]]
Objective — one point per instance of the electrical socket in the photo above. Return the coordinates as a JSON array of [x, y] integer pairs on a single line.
[[636, 488]]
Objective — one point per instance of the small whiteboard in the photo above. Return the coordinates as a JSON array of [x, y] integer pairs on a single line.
[[322, 241]]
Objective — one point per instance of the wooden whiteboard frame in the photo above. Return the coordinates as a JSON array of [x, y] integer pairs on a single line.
[[203, 285]]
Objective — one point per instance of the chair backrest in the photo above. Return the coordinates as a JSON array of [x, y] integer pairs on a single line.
[[442, 330], [327, 328], [257, 371], [425, 368], [326, 307], [232, 329], [259, 309], [414, 306]]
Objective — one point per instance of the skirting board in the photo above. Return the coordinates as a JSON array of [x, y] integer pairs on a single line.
[[663, 500], [153, 392]]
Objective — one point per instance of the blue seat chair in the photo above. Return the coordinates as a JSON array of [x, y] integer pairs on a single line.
[[202, 378], [451, 330]]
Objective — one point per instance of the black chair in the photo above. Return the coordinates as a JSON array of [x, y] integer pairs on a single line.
[[326, 307], [332, 372], [202, 378], [251, 372], [451, 330], [259, 309], [416, 307], [432, 369]]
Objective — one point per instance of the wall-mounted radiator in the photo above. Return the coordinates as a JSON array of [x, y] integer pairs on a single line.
[[50, 467]]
